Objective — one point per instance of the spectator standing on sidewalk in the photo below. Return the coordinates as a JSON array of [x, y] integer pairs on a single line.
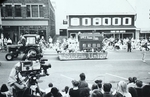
[[83, 86]]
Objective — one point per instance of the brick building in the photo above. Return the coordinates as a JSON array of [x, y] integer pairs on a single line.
[[27, 16]]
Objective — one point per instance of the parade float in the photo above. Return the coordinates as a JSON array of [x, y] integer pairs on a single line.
[[90, 46]]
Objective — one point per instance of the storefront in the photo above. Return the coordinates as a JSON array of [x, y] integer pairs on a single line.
[[145, 34], [117, 34], [14, 32], [120, 34]]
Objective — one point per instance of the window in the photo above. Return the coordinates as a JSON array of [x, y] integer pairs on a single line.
[[8, 11], [17, 10], [84, 45], [106, 21], [149, 13], [28, 11], [94, 45], [96, 21], [41, 10], [86, 21], [75, 22], [98, 45], [34, 11], [2, 14], [116, 21], [89, 45], [127, 21]]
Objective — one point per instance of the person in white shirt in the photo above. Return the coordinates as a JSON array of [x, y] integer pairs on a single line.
[[9, 41]]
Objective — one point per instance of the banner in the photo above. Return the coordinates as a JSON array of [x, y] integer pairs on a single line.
[[82, 56]]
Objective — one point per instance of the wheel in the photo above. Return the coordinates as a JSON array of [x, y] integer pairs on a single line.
[[9, 57], [32, 50]]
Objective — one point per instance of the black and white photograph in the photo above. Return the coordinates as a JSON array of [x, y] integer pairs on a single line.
[[74, 48]]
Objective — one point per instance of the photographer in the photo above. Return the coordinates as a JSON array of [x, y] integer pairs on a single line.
[[16, 81]]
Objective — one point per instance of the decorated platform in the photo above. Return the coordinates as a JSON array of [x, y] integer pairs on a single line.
[[83, 56]]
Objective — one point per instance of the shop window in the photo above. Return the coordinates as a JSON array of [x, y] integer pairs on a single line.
[[86, 21], [116, 21], [18, 10], [8, 10], [127, 21], [75, 21], [96, 21], [106, 21]]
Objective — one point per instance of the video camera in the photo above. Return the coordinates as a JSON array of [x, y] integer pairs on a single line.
[[34, 67]]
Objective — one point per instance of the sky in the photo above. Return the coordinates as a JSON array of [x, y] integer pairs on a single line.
[[64, 7]]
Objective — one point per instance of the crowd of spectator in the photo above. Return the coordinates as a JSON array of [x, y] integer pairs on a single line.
[[71, 44], [131, 88], [127, 43]]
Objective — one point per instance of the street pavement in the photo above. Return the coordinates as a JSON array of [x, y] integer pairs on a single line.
[[119, 66]]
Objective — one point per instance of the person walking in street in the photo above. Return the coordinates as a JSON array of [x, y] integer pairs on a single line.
[[129, 46], [143, 53]]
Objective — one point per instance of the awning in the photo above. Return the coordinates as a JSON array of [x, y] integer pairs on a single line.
[[25, 23]]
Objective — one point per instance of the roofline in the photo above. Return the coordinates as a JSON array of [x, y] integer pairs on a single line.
[[83, 14], [101, 28]]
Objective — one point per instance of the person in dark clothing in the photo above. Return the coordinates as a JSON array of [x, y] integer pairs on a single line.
[[107, 90], [133, 91], [4, 92], [53, 93], [129, 46], [97, 93], [74, 92], [146, 90], [83, 86], [82, 82]]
